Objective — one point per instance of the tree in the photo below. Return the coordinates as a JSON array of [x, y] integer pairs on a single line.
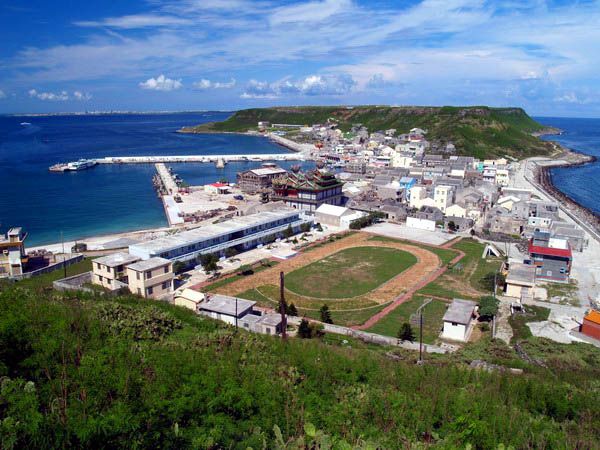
[[304, 329], [288, 232], [325, 314], [305, 227], [209, 262], [492, 277], [405, 333], [178, 266], [452, 226], [292, 310], [488, 307], [245, 269]]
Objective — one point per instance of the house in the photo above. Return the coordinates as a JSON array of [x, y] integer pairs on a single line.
[[499, 220], [12, 253], [430, 213], [520, 280], [189, 298], [458, 320], [151, 278], [269, 323], [259, 180], [591, 324], [571, 233], [217, 188], [227, 309], [395, 213], [460, 223], [552, 257], [109, 271], [443, 197], [336, 216], [406, 183], [456, 210], [307, 191]]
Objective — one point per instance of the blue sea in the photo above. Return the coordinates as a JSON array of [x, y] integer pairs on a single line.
[[106, 198], [581, 183]]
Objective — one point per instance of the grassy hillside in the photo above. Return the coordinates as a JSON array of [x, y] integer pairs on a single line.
[[479, 131], [92, 372]]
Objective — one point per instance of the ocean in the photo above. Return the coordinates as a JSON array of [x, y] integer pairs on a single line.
[[581, 183], [107, 198]]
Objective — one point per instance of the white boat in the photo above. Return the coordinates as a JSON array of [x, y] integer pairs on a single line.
[[25, 124], [82, 164]]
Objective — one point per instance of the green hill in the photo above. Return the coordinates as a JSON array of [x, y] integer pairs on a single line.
[[478, 131], [93, 372]]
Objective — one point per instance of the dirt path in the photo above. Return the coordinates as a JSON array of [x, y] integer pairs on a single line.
[[427, 263], [408, 294]]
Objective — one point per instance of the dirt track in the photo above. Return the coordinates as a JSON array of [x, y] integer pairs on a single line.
[[427, 265]]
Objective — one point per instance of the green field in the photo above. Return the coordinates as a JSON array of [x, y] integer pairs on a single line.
[[349, 273], [432, 319], [45, 280]]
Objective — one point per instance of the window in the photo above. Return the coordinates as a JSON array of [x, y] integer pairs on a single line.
[[137, 275], [166, 269], [139, 291], [148, 274], [166, 285], [149, 290]]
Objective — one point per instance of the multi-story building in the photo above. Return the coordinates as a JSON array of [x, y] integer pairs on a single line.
[[109, 271], [12, 253], [443, 197], [241, 233], [307, 191], [551, 256], [151, 278], [258, 180]]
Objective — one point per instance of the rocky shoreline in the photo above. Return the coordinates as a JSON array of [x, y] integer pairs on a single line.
[[543, 177]]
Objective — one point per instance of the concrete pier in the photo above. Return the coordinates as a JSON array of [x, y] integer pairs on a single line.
[[200, 158]]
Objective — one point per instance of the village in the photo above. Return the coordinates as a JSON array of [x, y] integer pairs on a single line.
[[230, 246]]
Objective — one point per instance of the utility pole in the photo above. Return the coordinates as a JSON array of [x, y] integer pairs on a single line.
[[236, 314], [62, 239], [282, 307], [420, 312]]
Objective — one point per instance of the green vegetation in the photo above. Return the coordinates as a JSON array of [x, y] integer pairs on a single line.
[[45, 280], [88, 372], [567, 294], [445, 255], [349, 272], [263, 265], [479, 131], [518, 322], [432, 319], [488, 307]]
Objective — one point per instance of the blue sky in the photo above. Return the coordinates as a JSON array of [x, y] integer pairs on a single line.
[[230, 54]]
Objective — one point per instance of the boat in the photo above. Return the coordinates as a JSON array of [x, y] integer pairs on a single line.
[[82, 164], [25, 124], [60, 167]]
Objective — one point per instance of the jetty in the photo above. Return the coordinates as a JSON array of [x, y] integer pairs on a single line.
[[221, 159]]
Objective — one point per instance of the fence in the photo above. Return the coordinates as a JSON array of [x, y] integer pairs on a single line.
[[50, 268]]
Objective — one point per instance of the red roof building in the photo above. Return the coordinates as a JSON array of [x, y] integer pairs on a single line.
[[591, 324]]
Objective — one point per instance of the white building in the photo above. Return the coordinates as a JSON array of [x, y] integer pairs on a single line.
[[443, 197], [458, 320], [336, 216]]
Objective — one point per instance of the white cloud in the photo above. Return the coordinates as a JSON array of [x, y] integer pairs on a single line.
[[82, 95], [136, 21], [312, 85], [204, 84], [2, 94], [161, 83], [51, 96], [316, 11]]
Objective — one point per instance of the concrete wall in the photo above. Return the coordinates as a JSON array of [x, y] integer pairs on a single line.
[[422, 224], [455, 332]]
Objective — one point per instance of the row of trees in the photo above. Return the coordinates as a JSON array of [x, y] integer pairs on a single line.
[[369, 219]]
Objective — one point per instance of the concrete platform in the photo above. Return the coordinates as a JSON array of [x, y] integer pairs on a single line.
[[398, 231]]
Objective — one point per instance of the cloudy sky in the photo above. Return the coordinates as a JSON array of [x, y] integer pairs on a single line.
[[229, 54]]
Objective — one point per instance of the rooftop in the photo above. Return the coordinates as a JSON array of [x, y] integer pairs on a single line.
[[149, 264], [460, 311], [224, 304], [521, 274], [116, 259], [593, 316]]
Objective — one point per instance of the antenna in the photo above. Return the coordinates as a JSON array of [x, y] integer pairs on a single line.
[[282, 306]]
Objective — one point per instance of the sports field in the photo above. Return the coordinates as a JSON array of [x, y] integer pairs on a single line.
[[349, 273], [354, 276]]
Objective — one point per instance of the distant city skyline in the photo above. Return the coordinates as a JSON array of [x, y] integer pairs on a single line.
[[234, 54]]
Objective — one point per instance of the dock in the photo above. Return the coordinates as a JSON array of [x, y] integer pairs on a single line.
[[201, 158]]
